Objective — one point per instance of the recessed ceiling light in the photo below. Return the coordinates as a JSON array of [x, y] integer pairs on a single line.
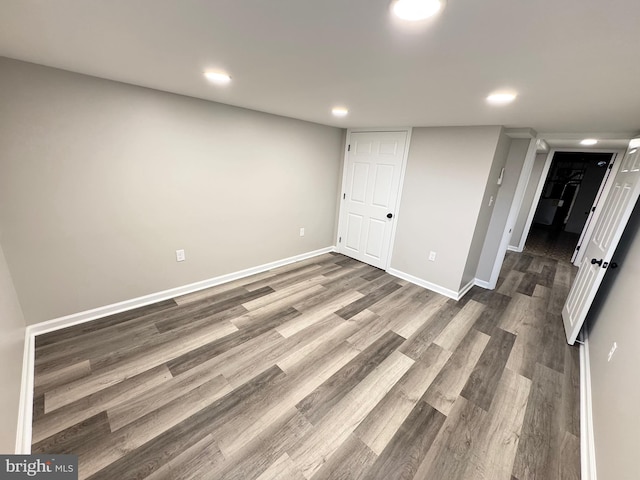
[[340, 111], [218, 77], [415, 10], [501, 98], [589, 141]]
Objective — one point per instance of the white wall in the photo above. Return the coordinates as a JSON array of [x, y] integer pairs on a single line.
[[504, 199], [442, 199], [615, 385], [11, 350], [101, 182], [527, 201], [487, 212]]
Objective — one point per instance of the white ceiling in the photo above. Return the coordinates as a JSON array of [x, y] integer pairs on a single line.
[[573, 62]]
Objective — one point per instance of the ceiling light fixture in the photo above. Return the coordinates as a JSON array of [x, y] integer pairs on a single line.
[[218, 77], [501, 98], [589, 141], [339, 111], [416, 10]]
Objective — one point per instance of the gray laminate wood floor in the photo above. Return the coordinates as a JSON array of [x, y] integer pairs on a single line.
[[324, 369]]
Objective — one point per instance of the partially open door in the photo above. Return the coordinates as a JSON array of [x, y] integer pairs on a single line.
[[578, 255], [601, 246]]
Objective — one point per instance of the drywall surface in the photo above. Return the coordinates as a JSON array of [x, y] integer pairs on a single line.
[[487, 209], [615, 385], [443, 192], [527, 201], [11, 351], [102, 182], [504, 199]]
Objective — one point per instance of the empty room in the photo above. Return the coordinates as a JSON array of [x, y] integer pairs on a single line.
[[388, 239]]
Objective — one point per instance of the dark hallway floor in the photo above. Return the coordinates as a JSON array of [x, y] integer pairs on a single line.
[[551, 243]]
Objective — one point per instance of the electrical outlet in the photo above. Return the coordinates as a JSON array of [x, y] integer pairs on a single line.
[[432, 256], [180, 256], [614, 347], [302, 232]]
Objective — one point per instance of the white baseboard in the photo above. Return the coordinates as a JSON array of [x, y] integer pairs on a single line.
[[25, 414], [463, 291], [25, 409], [431, 286], [483, 284], [511, 248], [587, 440], [88, 315]]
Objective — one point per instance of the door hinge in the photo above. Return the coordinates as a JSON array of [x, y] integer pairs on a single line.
[[610, 165], [344, 196], [578, 248], [348, 148], [593, 209]]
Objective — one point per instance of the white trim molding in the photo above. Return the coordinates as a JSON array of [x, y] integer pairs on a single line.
[[88, 315], [511, 248], [456, 295], [587, 439], [536, 199], [483, 284], [25, 413], [463, 291], [25, 409]]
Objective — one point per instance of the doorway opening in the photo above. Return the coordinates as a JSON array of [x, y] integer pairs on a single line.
[[570, 193]]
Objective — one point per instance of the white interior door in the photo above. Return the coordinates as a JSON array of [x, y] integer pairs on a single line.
[[373, 171], [600, 248], [578, 255]]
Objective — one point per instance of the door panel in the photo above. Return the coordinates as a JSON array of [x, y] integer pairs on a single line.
[[600, 248], [373, 173], [354, 232], [360, 177], [389, 148], [383, 185], [375, 238]]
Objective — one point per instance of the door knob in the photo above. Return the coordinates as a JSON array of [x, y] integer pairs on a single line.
[[389, 215], [596, 262]]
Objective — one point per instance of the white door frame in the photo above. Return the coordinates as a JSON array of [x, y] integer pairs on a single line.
[[343, 184], [518, 197], [536, 199], [543, 179]]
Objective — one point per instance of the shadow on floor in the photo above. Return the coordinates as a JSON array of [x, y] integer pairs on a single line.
[[551, 243]]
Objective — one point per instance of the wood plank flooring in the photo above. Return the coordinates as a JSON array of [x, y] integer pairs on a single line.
[[323, 369]]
